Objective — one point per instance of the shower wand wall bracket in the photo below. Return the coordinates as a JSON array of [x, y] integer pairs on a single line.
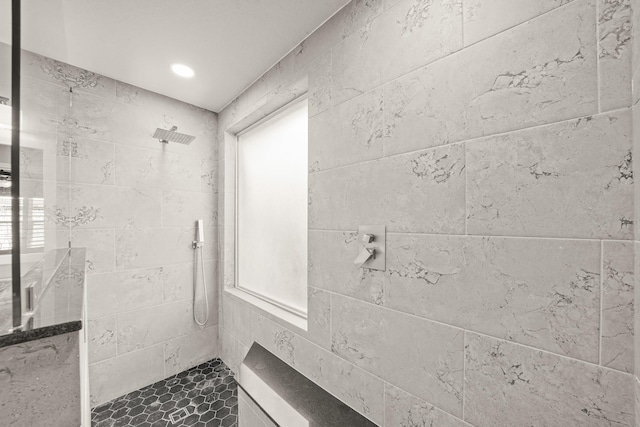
[[195, 244], [372, 248]]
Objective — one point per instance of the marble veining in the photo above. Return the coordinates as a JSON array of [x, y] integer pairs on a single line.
[[70, 76], [614, 53], [546, 167], [504, 382], [483, 19], [541, 293], [533, 77], [617, 306], [84, 215], [493, 139], [616, 36]]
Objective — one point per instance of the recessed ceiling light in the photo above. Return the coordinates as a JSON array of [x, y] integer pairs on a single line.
[[182, 70]]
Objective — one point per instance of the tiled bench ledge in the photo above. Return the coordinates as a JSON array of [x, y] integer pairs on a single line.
[[271, 393]]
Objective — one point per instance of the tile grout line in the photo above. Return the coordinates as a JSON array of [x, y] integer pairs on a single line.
[[384, 404], [339, 357], [491, 236], [601, 305], [594, 364], [449, 54], [466, 191], [474, 139], [464, 44], [597, 57], [464, 367]]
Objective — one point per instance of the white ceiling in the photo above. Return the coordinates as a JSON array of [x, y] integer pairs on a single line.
[[229, 43]]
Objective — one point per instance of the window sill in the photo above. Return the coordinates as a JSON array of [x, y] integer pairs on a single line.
[[287, 316]]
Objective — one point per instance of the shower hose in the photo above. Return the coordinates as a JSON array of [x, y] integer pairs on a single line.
[[204, 288]]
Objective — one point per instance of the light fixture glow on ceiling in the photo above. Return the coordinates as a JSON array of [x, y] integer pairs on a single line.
[[182, 70]]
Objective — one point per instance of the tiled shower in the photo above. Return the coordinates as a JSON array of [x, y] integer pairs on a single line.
[[493, 139]]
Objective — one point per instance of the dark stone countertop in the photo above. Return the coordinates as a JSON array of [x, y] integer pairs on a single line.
[[268, 380], [58, 280], [18, 337]]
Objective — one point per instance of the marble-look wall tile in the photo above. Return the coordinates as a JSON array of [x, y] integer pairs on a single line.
[[68, 76], [570, 179], [209, 176], [520, 78], [635, 52], [421, 191], [540, 292], [102, 338], [116, 376], [320, 85], [403, 409], [617, 305], [636, 309], [88, 116], [420, 356], [635, 164], [42, 104], [177, 281], [349, 133], [190, 350], [151, 247], [636, 383], [90, 162], [38, 157], [409, 35], [183, 208], [330, 266], [142, 168], [240, 316], [354, 386], [484, 19], [614, 53], [319, 317], [148, 326], [357, 14], [32, 161], [100, 244], [506, 382], [232, 351], [101, 206], [112, 293]]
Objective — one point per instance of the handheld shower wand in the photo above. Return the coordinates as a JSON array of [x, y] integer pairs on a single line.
[[199, 243]]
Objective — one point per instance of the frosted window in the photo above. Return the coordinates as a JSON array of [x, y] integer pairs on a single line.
[[271, 225]]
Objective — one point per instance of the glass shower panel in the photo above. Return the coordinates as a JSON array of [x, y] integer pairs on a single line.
[[46, 141], [6, 308]]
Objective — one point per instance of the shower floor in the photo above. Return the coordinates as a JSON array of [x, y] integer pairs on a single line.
[[204, 396]]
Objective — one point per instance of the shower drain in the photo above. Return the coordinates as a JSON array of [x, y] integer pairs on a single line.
[[180, 414]]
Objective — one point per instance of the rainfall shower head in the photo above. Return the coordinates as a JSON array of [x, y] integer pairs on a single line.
[[171, 135]]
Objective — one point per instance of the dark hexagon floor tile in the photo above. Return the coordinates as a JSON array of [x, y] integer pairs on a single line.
[[218, 404], [155, 416], [205, 395], [208, 416], [137, 410], [222, 412], [229, 421], [123, 422], [120, 413]]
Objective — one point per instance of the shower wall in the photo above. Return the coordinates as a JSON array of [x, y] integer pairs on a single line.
[[133, 203], [494, 141], [636, 149]]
